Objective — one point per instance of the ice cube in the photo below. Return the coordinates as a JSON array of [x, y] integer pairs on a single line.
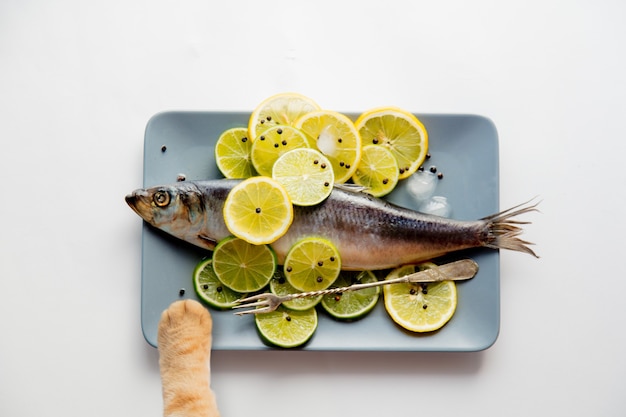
[[436, 205], [422, 185], [327, 142]]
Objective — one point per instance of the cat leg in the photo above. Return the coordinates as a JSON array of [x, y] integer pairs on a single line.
[[184, 344]]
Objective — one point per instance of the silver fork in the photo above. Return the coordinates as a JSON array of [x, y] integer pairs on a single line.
[[455, 271]]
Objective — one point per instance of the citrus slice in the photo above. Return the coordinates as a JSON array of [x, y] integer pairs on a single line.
[[312, 264], [419, 307], [279, 109], [306, 174], [280, 286], [274, 142], [232, 153], [287, 328], [400, 131], [243, 267], [377, 171], [258, 210], [352, 305], [335, 135], [210, 289]]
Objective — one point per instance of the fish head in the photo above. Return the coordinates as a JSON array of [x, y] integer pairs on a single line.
[[177, 209]]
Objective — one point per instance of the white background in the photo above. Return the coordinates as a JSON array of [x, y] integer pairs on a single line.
[[80, 79]]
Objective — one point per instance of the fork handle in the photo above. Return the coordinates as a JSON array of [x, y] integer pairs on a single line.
[[453, 271]]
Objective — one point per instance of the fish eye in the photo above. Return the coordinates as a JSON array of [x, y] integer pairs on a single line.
[[161, 198]]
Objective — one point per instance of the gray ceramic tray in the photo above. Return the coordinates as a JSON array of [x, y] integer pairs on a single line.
[[463, 147]]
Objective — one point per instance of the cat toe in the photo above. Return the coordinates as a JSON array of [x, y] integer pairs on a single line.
[[195, 309], [186, 310]]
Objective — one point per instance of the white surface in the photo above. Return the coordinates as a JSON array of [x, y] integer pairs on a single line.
[[79, 80]]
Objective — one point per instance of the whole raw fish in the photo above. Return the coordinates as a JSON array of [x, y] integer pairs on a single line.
[[369, 233]]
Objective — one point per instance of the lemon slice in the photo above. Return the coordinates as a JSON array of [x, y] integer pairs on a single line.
[[400, 131], [312, 264], [280, 286], [232, 153], [420, 307], [287, 328], [377, 171], [210, 289], [273, 143], [306, 174], [279, 109], [335, 135], [243, 267], [352, 305], [258, 210]]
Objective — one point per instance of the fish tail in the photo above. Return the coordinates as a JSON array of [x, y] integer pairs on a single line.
[[504, 229]]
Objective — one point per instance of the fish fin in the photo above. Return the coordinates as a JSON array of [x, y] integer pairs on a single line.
[[504, 230], [351, 187], [210, 243]]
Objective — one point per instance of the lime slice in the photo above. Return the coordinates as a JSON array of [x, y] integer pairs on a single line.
[[274, 142], [377, 171], [312, 264], [232, 153], [306, 174], [399, 131], [335, 135], [352, 305], [280, 109], [243, 267], [258, 210], [210, 289], [280, 286], [287, 328], [419, 307]]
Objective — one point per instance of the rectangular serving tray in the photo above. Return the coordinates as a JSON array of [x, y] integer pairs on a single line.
[[464, 148]]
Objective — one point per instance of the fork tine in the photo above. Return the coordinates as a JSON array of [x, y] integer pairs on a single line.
[[251, 298], [253, 311], [258, 303]]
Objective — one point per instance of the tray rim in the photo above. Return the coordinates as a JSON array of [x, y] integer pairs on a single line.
[[146, 229]]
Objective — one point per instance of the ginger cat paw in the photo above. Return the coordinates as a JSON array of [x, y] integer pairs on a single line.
[[184, 325], [184, 344]]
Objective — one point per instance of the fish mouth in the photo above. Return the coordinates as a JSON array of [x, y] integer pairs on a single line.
[[139, 201]]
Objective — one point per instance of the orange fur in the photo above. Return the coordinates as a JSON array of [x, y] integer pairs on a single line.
[[184, 343]]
